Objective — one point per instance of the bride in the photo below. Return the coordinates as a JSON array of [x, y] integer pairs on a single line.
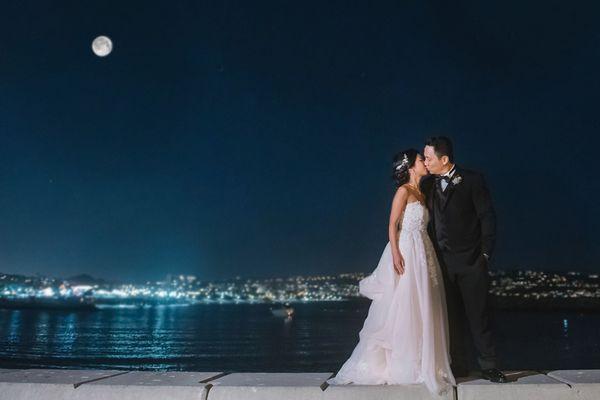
[[404, 339]]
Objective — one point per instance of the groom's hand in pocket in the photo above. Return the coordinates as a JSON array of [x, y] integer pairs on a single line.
[[486, 260], [398, 264]]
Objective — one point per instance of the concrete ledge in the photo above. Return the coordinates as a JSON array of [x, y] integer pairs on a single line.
[[146, 385], [526, 385], [257, 386], [122, 385], [383, 392], [48, 384], [585, 383]]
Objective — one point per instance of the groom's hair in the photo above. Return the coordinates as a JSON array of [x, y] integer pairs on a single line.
[[442, 146]]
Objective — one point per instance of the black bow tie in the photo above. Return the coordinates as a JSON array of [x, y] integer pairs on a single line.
[[440, 178]]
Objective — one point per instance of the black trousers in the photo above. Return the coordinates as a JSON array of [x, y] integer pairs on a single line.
[[467, 298]]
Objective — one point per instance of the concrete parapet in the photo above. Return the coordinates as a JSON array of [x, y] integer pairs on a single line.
[[585, 383], [147, 385], [260, 386], [129, 385], [383, 392], [525, 385], [47, 384]]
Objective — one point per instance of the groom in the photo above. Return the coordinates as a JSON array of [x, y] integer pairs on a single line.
[[463, 230]]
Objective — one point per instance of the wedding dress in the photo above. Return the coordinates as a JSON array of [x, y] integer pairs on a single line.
[[404, 339]]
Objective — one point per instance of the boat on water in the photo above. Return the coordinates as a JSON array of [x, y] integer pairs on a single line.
[[48, 303], [285, 311]]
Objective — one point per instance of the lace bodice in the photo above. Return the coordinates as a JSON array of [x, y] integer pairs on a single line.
[[416, 218]]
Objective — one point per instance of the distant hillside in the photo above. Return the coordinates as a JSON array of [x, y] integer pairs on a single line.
[[85, 279]]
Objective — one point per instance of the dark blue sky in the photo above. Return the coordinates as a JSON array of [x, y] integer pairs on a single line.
[[255, 138]]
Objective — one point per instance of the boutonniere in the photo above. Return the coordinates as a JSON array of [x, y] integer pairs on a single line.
[[456, 180]]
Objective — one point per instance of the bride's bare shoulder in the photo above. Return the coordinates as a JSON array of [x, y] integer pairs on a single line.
[[402, 193], [402, 190]]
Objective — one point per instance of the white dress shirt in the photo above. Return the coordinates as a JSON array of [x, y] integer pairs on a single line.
[[449, 174]]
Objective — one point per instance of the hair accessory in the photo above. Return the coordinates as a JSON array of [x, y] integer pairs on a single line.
[[403, 163]]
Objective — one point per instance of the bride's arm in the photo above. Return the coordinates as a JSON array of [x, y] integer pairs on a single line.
[[398, 206]]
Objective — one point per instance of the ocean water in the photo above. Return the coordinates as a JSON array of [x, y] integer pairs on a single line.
[[247, 337]]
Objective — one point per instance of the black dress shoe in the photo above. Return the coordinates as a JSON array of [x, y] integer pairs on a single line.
[[494, 375]]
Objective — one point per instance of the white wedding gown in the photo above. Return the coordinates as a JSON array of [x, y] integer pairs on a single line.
[[404, 339]]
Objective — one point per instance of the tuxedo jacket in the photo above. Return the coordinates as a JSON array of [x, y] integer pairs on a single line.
[[462, 222]]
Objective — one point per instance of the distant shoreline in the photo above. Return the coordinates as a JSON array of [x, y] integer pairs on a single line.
[[546, 304]]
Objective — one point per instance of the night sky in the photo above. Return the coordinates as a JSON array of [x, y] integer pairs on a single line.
[[255, 138]]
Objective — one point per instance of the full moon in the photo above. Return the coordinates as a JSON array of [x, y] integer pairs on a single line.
[[102, 46]]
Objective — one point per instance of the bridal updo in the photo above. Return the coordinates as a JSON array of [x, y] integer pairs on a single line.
[[403, 161]]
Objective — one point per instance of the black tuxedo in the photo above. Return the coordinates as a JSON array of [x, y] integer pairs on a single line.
[[462, 227]]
